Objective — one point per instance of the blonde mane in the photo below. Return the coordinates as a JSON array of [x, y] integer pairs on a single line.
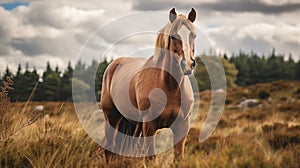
[[162, 40]]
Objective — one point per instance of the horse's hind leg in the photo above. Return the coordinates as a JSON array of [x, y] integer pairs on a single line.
[[112, 115], [111, 129], [149, 129]]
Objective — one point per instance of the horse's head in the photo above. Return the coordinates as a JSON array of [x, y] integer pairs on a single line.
[[181, 39]]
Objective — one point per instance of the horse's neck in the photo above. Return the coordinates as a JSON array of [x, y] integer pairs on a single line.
[[170, 73]]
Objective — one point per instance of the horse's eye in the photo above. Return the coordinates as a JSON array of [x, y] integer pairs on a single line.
[[173, 37]]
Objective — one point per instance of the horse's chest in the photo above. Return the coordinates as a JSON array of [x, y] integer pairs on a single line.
[[168, 116], [163, 109]]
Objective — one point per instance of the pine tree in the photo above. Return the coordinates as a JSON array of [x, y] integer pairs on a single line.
[[225, 56], [30, 79], [241, 63], [18, 85], [49, 89], [48, 70], [275, 67], [80, 70], [230, 72], [289, 68], [99, 76], [66, 84], [297, 70], [201, 74], [7, 73]]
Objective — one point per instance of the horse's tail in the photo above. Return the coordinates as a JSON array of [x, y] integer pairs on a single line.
[[130, 129]]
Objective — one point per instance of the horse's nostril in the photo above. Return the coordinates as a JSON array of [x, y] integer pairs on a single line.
[[193, 64]]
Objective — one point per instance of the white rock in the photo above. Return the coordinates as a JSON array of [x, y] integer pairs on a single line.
[[220, 91], [39, 108], [248, 103]]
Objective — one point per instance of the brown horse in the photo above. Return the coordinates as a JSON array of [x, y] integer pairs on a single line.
[[140, 96]]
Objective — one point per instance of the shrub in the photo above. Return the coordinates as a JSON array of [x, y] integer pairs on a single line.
[[228, 101], [4, 99], [290, 106], [283, 98], [262, 94], [281, 135], [297, 91]]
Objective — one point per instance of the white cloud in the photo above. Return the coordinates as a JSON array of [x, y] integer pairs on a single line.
[[271, 32], [254, 32], [55, 30], [278, 2]]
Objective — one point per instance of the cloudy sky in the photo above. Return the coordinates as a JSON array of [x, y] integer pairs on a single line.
[[37, 31]]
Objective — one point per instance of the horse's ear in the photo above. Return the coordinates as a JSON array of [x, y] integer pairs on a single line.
[[192, 15], [172, 15]]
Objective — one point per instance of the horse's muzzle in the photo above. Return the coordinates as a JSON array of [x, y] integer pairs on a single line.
[[188, 71]]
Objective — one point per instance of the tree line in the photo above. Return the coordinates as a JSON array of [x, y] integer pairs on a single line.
[[53, 85], [253, 68], [241, 69]]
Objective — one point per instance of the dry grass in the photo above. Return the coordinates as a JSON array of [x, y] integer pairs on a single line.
[[265, 136], [13, 119], [4, 98]]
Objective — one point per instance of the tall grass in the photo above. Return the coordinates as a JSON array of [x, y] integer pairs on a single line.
[[264, 136], [12, 119]]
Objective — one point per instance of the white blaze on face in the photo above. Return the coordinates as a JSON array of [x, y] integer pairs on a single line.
[[184, 34]]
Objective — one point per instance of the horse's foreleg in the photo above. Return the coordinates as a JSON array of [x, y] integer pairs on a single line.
[[180, 132], [149, 129]]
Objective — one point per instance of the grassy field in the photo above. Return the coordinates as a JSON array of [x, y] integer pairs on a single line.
[[264, 136]]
